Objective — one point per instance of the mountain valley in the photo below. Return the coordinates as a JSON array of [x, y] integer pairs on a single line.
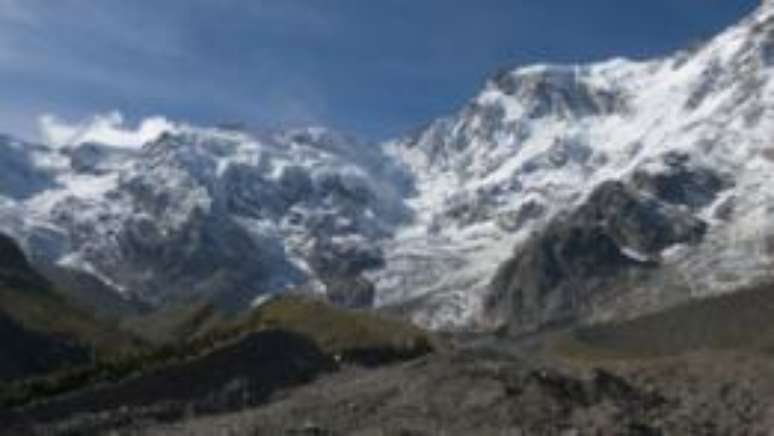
[[580, 249]]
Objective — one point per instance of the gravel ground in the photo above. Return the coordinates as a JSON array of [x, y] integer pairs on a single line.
[[472, 394]]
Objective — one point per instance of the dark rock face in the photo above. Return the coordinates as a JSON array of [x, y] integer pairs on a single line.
[[637, 222], [515, 220], [561, 92], [582, 256], [350, 292], [682, 183], [340, 268], [91, 158], [330, 260], [195, 259]]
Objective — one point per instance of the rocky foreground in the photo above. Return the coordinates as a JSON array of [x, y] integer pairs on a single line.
[[474, 390]]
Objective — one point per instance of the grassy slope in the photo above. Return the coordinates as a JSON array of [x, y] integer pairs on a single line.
[[337, 330], [40, 330], [354, 337], [49, 314], [738, 321], [231, 376], [175, 324]]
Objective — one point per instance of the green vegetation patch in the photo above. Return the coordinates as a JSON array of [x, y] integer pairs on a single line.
[[47, 313], [338, 331], [351, 336]]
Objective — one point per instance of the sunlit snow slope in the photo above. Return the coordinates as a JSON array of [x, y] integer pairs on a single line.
[[692, 133]]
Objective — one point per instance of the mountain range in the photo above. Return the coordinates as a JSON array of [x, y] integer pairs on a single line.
[[580, 249], [558, 194]]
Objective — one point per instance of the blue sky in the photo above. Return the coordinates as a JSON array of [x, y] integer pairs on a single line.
[[373, 68]]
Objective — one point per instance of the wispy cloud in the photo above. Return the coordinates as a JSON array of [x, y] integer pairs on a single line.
[[109, 129], [192, 59]]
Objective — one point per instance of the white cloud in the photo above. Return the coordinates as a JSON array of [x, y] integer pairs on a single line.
[[109, 129]]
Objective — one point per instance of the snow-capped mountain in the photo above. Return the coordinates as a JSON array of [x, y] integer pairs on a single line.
[[558, 193], [206, 212], [665, 163]]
